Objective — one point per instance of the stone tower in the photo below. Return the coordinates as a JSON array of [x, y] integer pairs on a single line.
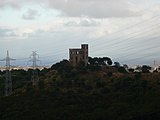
[[77, 55]]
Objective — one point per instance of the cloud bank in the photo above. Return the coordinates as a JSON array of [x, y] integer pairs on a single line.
[[93, 8], [77, 8]]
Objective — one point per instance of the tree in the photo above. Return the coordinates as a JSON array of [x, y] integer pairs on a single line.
[[62, 66], [146, 68], [107, 60], [131, 70], [81, 67], [91, 61], [125, 66], [117, 64], [100, 61], [122, 69]]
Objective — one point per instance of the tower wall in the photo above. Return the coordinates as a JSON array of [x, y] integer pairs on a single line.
[[77, 55]]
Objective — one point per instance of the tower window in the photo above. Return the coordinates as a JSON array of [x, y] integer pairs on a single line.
[[76, 60]]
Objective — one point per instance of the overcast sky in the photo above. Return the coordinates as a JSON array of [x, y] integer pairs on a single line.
[[127, 31]]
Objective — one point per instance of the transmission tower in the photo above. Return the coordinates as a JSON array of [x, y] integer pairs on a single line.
[[34, 59], [8, 81]]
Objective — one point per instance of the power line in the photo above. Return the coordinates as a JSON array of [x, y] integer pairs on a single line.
[[139, 23], [120, 31], [114, 42], [130, 34]]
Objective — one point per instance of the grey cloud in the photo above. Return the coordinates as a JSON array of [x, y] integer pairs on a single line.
[[93, 8], [82, 23], [11, 3], [76, 8], [87, 22], [17, 3], [30, 14], [7, 33]]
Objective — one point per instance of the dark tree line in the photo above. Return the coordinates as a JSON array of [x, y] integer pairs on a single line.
[[100, 61]]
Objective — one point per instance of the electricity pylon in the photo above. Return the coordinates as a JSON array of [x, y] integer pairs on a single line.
[[8, 81], [34, 59]]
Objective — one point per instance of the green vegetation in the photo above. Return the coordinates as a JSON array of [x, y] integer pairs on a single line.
[[98, 91]]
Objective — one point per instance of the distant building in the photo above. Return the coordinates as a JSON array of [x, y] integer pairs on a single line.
[[77, 55]]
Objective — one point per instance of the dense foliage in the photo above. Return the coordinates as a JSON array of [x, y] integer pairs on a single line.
[[93, 92]]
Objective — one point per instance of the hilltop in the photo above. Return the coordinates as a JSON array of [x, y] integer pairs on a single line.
[[82, 92]]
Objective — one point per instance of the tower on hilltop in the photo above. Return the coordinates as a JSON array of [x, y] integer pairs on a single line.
[[77, 55]]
